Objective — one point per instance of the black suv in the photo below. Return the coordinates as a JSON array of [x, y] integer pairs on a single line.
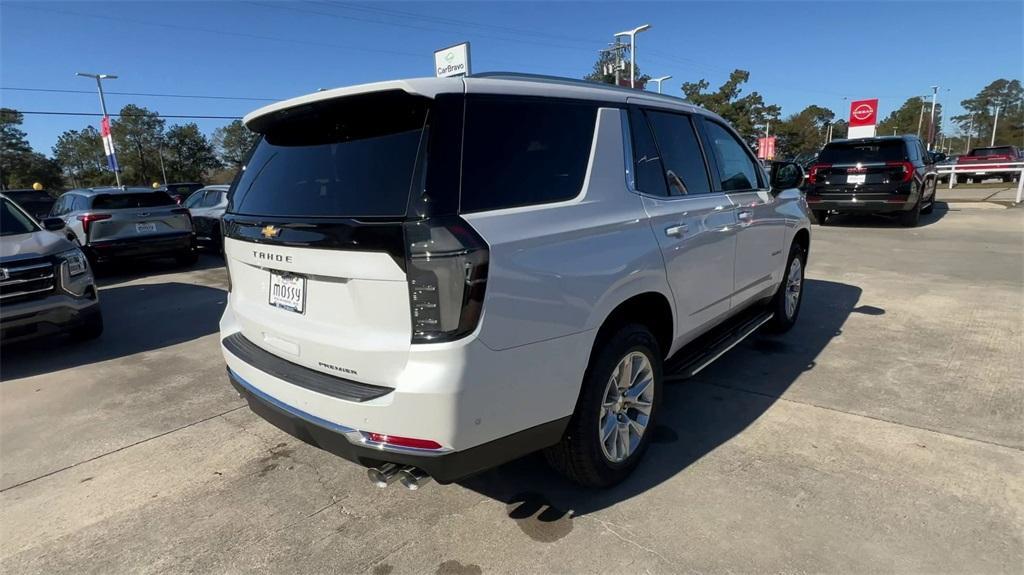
[[873, 175]]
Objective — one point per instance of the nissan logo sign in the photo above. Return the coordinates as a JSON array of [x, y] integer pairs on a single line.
[[862, 112]]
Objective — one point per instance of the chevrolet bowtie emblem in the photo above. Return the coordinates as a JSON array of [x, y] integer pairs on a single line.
[[270, 231]]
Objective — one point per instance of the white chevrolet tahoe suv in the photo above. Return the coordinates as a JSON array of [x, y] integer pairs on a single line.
[[431, 277]]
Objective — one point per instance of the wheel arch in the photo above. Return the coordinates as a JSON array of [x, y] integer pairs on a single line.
[[651, 309]]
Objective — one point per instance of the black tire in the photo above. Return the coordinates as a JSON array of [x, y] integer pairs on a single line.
[[91, 327], [820, 216], [187, 258], [784, 320], [977, 180], [580, 456], [911, 217], [1007, 179]]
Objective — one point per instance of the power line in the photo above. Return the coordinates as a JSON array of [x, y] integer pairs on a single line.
[[97, 114], [146, 94]]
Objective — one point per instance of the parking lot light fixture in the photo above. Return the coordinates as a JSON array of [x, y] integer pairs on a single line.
[[632, 50], [659, 80]]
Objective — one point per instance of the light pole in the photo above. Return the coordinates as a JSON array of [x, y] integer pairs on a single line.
[[995, 123], [931, 122], [920, 120], [632, 50], [659, 80], [108, 140], [160, 149], [970, 131]]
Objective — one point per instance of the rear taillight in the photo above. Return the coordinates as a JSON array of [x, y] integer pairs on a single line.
[[906, 170], [88, 219], [814, 172], [446, 262]]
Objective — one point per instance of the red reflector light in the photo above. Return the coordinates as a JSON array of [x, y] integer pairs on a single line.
[[403, 441], [812, 172], [87, 219]]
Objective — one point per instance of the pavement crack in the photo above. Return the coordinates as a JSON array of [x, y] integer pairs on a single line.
[[119, 449], [608, 526]]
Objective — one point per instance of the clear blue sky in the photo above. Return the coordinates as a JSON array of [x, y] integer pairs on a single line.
[[798, 53]]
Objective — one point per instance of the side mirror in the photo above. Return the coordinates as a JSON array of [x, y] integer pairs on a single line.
[[786, 175], [53, 224]]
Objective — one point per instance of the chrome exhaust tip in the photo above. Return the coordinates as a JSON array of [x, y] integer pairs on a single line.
[[413, 478], [384, 475]]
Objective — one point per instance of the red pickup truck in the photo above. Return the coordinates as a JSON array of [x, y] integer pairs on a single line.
[[989, 156]]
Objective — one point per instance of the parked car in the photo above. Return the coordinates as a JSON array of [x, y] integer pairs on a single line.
[[945, 163], [116, 223], [46, 285], [36, 203], [891, 174], [180, 191], [207, 205], [989, 155], [520, 291]]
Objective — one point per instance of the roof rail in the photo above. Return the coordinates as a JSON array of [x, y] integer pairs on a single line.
[[571, 82]]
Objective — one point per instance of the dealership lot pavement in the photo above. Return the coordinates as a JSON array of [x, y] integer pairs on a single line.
[[882, 434]]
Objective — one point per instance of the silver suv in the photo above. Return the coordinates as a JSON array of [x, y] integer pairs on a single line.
[[207, 205], [46, 285], [116, 223], [431, 277]]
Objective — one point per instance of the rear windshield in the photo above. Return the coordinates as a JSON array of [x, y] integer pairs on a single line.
[[28, 196], [128, 201], [13, 222], [350, 157], [1002, 151], [863, 152]]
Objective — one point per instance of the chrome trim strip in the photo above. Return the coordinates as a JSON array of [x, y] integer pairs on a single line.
[[21, 293], [6, 283], [31, 267]]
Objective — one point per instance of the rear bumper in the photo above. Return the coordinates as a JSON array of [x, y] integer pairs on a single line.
[[162, 244], [54, 314], [344, 441], [874, 200]]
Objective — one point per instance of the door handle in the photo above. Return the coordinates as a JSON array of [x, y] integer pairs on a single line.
[[676, 231], [745, 216]]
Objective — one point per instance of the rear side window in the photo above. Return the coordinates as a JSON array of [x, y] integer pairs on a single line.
[[211, 199], [650, 175], [348, 157], [864, 152], [520, 152], [735, 166], [685, 170], [128, 201]]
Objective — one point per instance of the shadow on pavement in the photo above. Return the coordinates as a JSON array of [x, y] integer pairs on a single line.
[[698, 415], [138, 317], [123, 271]]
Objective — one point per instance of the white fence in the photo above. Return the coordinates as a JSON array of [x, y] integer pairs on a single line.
[[995, 169]]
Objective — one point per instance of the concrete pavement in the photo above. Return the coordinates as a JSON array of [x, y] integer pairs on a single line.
[[883, 433]]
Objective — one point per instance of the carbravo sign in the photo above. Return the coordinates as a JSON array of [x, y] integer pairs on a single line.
[[452, 61]]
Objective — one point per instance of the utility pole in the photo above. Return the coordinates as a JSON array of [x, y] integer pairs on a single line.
[[920, 120], [659, 81], [995, 123], [931, 122], [108, 140], [616, 66], [632, 50], [163, 172]]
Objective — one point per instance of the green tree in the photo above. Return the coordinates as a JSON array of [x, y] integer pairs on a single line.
[[804, 132], [1008, 96], [233, 142], [916, 111], [748, 113], [80, 155], [20, 166], [188, 154], [609, 61], [137, 137]]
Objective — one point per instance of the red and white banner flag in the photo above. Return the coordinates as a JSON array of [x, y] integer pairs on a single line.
[[108, 143]]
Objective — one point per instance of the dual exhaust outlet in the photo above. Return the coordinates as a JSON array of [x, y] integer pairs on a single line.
[[412, 478]]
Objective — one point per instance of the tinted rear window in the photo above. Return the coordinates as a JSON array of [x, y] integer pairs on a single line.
[[28, 196], [520, 151], [1003, 151], [349, 157], [863, 152], [128, 201]]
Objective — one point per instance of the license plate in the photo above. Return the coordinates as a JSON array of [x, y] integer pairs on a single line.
[[980, 173], [856, 178], [288, 292], [145, 227]]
